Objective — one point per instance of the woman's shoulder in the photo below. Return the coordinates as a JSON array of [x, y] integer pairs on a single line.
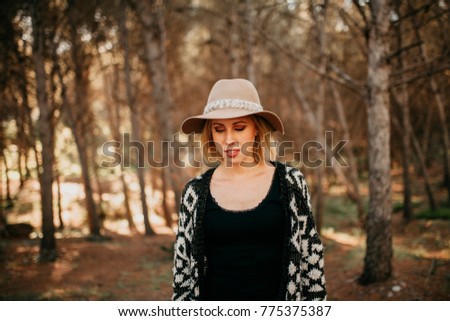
[[292, 174], [197, 181], [290, 170]]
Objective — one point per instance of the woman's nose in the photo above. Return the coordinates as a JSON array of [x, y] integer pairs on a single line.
[[229, 138]]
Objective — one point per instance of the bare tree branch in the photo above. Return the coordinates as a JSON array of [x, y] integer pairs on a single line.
[[403, 49], [361, 12], [416, 11], [340, 76], [354, 25], [427, 73], [426, 64], [427, 21]]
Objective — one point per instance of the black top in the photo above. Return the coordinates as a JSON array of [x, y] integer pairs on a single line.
[[244, 249]]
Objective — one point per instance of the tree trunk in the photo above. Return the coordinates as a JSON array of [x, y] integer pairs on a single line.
[[315, 120], [20, 141], [320, 18], [426, 134], [378, 258], [114, 121], [58, 184], [98, 185], [135, 114], [234, 41], [406, 154], [19, 165], [26, 140], [48, 242], [439, 103], [79, 117], [8, 184], [76, 118], [54, 105], [2, 213], [27, 169], [421, 159], [426, 177], [165, 203], [30, 131], [403, 100], [353, 188], [250, 24], [155, 38], [93, 219]]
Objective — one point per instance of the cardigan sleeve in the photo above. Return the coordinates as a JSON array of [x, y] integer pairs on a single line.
[[312, 278], [182, 269]]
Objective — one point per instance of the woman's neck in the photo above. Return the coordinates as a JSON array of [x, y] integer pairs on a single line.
[[243, 170]]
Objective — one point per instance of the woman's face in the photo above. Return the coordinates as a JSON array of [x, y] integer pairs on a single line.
[[234, 139]]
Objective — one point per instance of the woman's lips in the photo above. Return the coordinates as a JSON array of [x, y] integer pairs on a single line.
[[231, 153]]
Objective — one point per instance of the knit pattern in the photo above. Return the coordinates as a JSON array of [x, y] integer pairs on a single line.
[[302, 278]]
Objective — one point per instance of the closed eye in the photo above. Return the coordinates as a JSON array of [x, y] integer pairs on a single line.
[[221, 130]]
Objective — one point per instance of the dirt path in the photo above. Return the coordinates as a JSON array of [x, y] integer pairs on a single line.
[[421, 264], [139, 268], [123, 268]]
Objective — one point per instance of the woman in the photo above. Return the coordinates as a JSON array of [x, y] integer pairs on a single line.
[[246, 231]]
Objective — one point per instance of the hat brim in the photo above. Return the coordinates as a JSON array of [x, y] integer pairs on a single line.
[[195, 124]]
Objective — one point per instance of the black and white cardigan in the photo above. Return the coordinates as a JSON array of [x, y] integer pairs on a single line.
[[303, 277]]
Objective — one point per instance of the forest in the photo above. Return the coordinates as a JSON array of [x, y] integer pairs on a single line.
[[93, 163]]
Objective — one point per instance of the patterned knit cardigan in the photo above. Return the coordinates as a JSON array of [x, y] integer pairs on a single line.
[[303, 277]]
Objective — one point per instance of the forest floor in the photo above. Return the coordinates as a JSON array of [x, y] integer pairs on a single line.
[[136, 267]]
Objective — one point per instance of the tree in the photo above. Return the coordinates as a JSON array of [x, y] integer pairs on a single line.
[[154, 34], [351, 184], [135, 115], [439, 103], [378, 258], [403, 99], [2, 213], [79, 113], [114, 123], [48, 242]]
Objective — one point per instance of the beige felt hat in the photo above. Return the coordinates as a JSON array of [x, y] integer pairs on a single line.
[[231, 98]]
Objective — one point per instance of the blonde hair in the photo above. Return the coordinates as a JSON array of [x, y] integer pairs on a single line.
[[264, 147]]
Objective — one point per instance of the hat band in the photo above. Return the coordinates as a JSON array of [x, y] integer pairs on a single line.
[[232, 103]]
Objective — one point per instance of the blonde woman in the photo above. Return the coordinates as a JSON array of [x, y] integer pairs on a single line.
[[246, 230]]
